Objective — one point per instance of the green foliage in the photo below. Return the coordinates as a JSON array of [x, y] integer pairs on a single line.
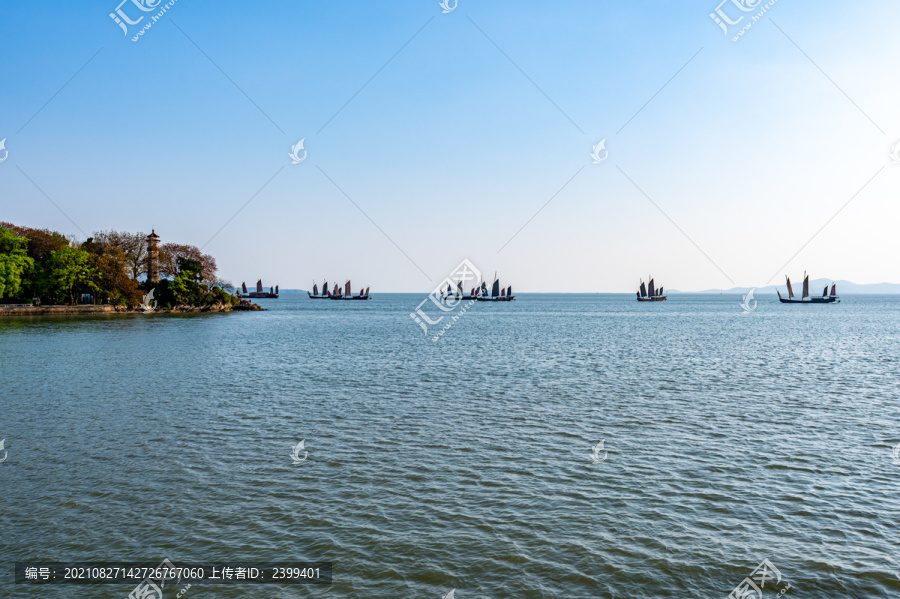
[[221, 296], [68, 271], [186, 287], [182, 291], [164, 295], [48, 265], [40, 241], [14, 262]]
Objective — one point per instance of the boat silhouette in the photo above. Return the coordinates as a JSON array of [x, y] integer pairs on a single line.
[[337, 294], [259, 293], [805, 298], [650, 293], [314, 294], [481, 293]]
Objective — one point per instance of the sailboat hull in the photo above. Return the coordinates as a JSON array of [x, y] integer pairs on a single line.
[[337, 297], [456, 298], [658, 298], [812, 300]]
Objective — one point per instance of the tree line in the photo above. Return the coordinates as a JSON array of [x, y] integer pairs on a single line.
[[110, 267]]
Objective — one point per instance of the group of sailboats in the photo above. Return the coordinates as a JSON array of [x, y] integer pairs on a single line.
[[338, 294], [649, 293], [480, 293], [646, 293], [259, 293], [805, 298]]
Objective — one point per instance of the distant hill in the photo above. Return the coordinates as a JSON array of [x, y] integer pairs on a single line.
[[815, 288]]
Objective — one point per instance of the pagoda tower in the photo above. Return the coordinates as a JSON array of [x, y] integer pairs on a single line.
[[153, 257]]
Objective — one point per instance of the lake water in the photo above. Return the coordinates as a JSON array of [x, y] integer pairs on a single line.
[[464, 463]]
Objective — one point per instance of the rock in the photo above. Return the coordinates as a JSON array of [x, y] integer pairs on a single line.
[[247, 306]]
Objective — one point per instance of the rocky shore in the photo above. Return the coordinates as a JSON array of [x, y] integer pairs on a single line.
[[242, 306]]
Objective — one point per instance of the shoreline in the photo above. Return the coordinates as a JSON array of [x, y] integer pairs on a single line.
[[110, 309]]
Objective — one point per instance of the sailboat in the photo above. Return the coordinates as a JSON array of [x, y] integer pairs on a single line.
[[348, 293], [450, 293], [315, 291], [498, 294], [805, 298], [260, 293], [650, 294]]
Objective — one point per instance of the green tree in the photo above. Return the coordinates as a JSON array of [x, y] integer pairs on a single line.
[[69, 270], [186, 286], [14, 262], [41, 242]]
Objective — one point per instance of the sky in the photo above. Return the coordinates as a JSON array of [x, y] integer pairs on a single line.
[[430, 137]]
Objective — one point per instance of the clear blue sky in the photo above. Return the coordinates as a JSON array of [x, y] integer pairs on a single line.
[[458, 140]]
